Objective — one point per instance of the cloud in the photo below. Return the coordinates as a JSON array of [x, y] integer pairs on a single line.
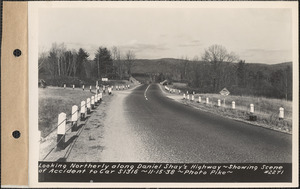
[[74, 45], [195, 41], [139, 47], [192, 43]]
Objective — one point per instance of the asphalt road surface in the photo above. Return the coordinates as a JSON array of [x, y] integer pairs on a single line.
[[173, 132]]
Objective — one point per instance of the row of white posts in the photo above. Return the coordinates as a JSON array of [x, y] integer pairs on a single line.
[[85, 109], [171, 90], [281, 109], [187, 96], [118, 87], [122, 87], [83, 87], [109, 89]]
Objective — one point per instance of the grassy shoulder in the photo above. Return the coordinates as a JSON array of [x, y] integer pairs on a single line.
[[266, 110], [54, 100]]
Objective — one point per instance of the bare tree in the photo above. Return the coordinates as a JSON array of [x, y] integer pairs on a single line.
[[184, 67], [129, 60], [218, 56], [42, 60], [116, 53], [196, 59], [74, 62], [58, 51], [117, 62]]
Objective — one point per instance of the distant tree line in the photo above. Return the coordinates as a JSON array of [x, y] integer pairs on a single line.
[[218, 68], [60, 62]]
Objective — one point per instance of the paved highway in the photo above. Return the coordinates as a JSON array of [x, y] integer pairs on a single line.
[[173, 132]]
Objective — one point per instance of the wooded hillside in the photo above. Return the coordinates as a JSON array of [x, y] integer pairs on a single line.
[[216, 69], [241, 78]]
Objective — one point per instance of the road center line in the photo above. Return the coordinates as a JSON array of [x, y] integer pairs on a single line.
[[145, 93]]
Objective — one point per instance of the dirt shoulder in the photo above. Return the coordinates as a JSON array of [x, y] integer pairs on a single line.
[[237, 115], [106, 132]]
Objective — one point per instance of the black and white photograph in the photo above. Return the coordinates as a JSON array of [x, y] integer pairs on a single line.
[[186, 92]]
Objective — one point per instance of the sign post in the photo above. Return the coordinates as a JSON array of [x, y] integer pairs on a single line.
[[224, 92]]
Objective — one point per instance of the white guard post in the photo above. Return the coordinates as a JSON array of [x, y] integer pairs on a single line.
[[199, 100], [88, 105], [207, 100], [281, 113], [96, 99], [219, 102], [251, 108], [61, 131], [74, 117], [82, 111], [252, 117], [93, 102], [233, 105]]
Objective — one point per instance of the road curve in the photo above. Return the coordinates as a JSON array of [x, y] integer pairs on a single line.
[[173, 132]]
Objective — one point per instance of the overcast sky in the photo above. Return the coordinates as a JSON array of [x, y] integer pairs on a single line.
[[256, 35]]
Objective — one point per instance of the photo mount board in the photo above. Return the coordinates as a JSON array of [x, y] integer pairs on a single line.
[[14, 94], [14, 163]]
